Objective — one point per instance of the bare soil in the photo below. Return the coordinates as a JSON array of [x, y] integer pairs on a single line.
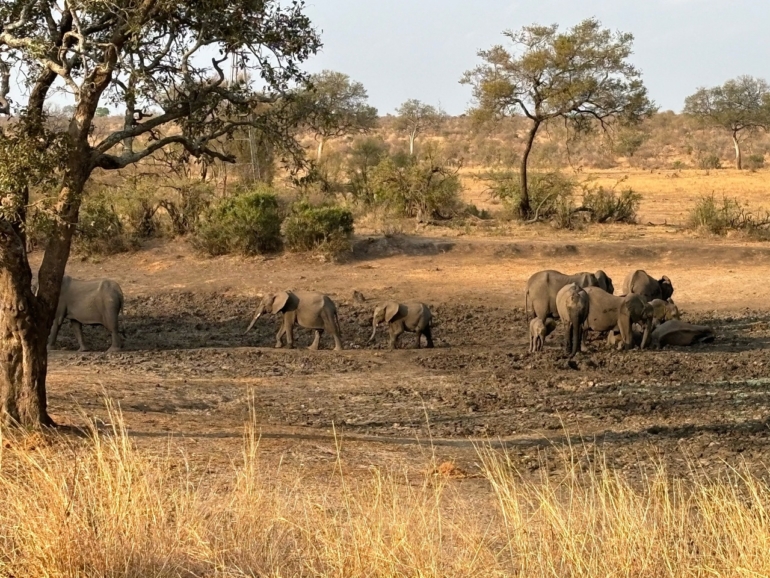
[[189, 378]]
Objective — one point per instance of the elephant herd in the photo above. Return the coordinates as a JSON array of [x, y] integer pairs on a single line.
[[585, 301]]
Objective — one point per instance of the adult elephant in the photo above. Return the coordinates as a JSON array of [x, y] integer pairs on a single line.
[[640, 283], [96, 302], [609, 312], [304, 308], [544, 286], [572, 303]]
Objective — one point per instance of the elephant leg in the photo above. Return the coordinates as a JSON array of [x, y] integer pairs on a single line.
[[316, 340], [395, 331], [77, 327], [117, 342], [429, 336], [279, 336], [55, 331]]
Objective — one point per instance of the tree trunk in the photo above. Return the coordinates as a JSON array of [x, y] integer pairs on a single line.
[[320, 149], [23, 337], [524, 207], [738, 160], [412, 136]]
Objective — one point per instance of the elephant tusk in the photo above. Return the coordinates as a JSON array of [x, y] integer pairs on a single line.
[[253, 321], [374, 332]]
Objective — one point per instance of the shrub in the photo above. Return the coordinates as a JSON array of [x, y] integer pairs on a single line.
[[327, 227], [184, 209], [608, 206], [718, 218], [249, 223], [550, 194], [423, 188], [100, 231], [755, 162], [709, 161]]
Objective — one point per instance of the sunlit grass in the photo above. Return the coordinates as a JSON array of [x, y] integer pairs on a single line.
[[101, 508]]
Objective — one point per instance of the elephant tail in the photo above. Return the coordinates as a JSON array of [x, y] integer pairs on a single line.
[[577, 337], [526, 306]]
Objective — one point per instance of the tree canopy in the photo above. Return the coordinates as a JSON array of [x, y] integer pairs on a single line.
[[741, 105], [414, 117], [581, 76], [337, 106], [166, 64]]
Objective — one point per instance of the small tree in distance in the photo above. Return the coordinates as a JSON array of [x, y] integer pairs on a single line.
[[414, 117], [339, 106], [581, 76], [741, 106]]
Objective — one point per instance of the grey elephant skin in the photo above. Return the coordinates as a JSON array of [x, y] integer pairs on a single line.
[[95, 302], [304, 308], [641, 283], [609, 312], [538, 331], [677, 332], [572, 303], [414, 317], [543, 287]]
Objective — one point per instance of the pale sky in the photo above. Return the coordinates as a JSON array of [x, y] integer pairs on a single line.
[[401, 49]]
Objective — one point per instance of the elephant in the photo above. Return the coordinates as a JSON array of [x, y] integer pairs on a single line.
[[664, 311], [675, 332], [641, 283], [543, 287], [414, 317], [304, 308], [538, 331], [609, 312], [572, 304], [96, 302]]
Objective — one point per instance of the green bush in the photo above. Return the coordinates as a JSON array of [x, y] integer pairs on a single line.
[[327, 227], [719, 217], [100, 230], [550, 194], [608, 206], [755, 162], [423, 188], [709, 161], [248, 223]]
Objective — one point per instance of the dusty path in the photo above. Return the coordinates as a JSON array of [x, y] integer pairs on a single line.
[[189, 374]]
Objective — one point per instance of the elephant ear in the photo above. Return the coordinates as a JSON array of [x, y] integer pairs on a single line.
[[394, 311], [280, 300], [666, 288], [659, 309]]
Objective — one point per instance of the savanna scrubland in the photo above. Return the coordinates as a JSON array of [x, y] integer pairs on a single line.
[[199, 450]]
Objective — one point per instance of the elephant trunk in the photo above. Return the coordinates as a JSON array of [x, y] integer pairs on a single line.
[[253, 321], [646, 336], [577, 333]]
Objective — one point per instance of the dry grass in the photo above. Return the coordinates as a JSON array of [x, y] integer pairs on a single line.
[[668, 196], [101, 508]]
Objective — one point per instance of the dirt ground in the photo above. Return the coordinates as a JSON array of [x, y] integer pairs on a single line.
[[188, 377]]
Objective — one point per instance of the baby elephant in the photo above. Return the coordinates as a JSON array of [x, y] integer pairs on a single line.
[[414, 317], [572, 304], [538, 331], [304, 308], [664, 311]]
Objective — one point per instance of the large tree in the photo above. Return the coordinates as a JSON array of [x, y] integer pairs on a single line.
[[581, 76], [740, 106], [337, 106], [165, 63], [414, 117]]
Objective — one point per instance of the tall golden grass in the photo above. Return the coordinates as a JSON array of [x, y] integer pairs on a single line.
[[102, 508]]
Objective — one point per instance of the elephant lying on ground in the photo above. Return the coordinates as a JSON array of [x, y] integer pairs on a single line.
[[607, 312], [572, 302], [414, 317], [543, 287], [304, 308], [538, 331], [641, 283], [677, 332], [97, 302]]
